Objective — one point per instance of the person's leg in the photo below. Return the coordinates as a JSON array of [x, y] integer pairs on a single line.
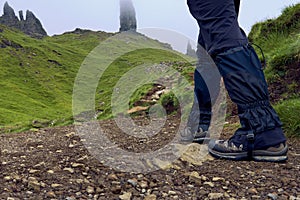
[[260, 124], [245, 83], [200, 115], [206, 90]]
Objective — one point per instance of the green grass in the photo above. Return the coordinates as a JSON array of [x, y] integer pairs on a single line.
[[280, 41], [37, 79], [289, 112]]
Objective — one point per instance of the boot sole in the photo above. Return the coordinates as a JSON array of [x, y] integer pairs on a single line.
[[269, 156], [258, 155]]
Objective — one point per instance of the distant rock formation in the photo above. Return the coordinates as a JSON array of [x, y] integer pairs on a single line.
[[9, 18], [190, 51], [30, 26], [127, 16]]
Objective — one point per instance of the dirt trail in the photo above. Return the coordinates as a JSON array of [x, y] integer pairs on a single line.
[[54, 164]]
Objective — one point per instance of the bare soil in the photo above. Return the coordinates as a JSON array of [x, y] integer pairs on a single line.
[[53, 163]]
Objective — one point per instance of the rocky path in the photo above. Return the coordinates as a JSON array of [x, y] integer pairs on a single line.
[[54, 164]]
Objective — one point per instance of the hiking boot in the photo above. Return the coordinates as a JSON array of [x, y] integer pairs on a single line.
[[187, 135], [247, 149]]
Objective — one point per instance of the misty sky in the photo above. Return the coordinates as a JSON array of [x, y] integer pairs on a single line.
[[58, 16]]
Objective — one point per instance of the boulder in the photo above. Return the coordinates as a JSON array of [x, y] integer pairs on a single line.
[[127, 16], [9, 18], [30, 26], [33, 26]]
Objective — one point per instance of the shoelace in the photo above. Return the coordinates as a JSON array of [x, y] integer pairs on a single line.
[[264, 64]]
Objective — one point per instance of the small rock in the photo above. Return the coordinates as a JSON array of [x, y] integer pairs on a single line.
[[209, 184], [203, 192], [33, 171], [50, 171], [83, 158], [43, 184], [84, 173], [215, 179], [143, 184], [252, 191], [225, 188], [132, 182], [251, 173], [86, 181], [204, 178], [69, 170], [280, 190], [31, 178], [79, 181], [150, 197], [34, 185], [255, 197], [70, 134], [77, 165], [112, 177], [41, 164], [195, 177], [7, 178], [116, 183], [78, 193], [55, 185], [272, 196], [294, 198], [70, 198], [226, 195], [164, 195], [152, 184], [215, 195], [116, 189], [126, 196], [90, 190], [172, 192], [140, 176], [50, 194], [294, 184], [99, 190]]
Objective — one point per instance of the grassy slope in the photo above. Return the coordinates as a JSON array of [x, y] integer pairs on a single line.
[[37, 76], [280, 40]]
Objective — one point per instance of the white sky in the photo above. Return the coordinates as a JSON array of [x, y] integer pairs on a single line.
[[58, 16]]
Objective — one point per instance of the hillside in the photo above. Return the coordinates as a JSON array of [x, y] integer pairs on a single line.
[[37, 75], [280, 41]]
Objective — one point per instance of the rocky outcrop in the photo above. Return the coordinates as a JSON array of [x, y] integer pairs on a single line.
[[9, 18], [33, 26], [190, 51], [127, 16], [30, 26]]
